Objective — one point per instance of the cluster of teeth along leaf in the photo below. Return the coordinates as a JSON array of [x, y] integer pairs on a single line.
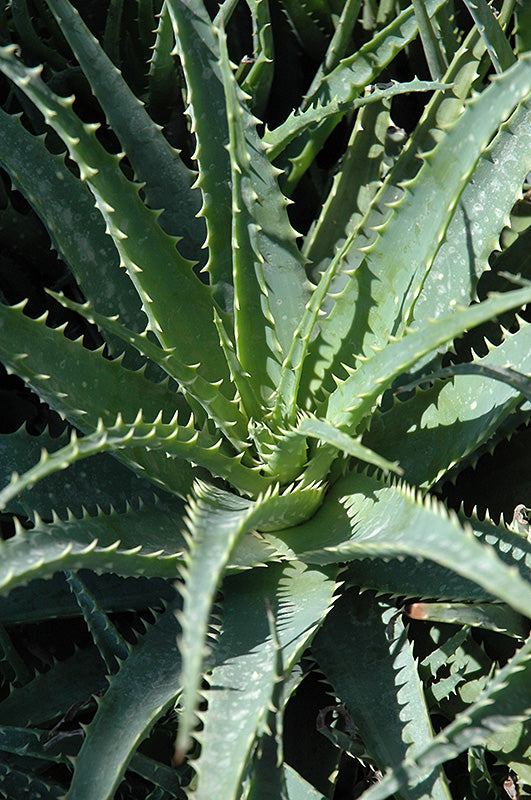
[[246, 432]]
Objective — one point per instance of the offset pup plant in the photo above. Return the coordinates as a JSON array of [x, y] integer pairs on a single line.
[[265, 413]]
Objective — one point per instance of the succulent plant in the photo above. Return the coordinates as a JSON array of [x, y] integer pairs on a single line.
[[269, 415]]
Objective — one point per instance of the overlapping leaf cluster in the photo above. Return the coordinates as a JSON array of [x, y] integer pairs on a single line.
[[247, 425]]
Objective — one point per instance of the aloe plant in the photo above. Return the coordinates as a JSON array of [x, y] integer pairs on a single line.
[[251, 426]]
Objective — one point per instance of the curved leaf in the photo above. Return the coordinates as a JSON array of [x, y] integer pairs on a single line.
[[156, 163], [110, 643], [125, 214], [100, 482], [278, 139], [348, 80], [384, 288], [506, 699], [183, 441], [107, 543], [283, 265], [299, 599], [365, 517], [38, 702], [364, 652], [143, 689], [498, 47], [440, 426], [76, 228]]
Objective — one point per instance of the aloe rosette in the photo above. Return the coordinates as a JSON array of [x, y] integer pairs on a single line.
[[237, 437]]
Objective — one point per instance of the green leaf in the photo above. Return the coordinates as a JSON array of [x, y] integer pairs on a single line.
[[61, 747], [353, 187], [121, 206], [111, 37], [255, 337], [297, 123], [348, 80], [322, 430], [299, 599], [199, 57], [225, 413], [298, 788], [106, 543], [522, 383], [266, 770], [163, 74], [429, 580], [216, 520], [76, 228], [511, 746], [257, 82], [486, 21], [522, 28], [481, 214], [79, 676], [143, 689], [22, 673], [183, 441], [385, 291], [100, 482], [364, 652], [113, 542], [110, 643], [283, 265], [18, 785], [431, 40], [308, 28], [267, 781], [506, 699], [61, 370], [454, 418], [489, 616], [249, 397], [156, 163], [340, 41], [452, 277], [26, 29], [356, 397], [363, 517], [50, 599]]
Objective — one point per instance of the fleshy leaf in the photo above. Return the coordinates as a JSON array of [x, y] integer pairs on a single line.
[[322, 430], [217, 520], [299, 599], [506, 699], [121, 206], [349, 79], [498, 47], [364, 652], [59, 198], [283, 265], [100, 482], [364, 517], [155, 162], [183, 441], [466, 412], [108, 640], [358, 393], [279, 138], [143, 689], [491, 616], [254, 332]]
